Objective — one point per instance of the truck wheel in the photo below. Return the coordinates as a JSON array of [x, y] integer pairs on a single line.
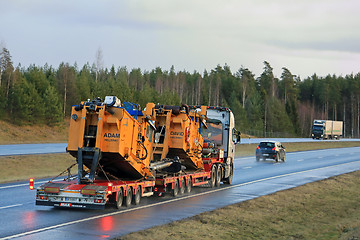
[[128, 198], [189, 186], [175, 191], [228, 180], [182, 188], [212, 177], [218, 176], [120, 197], [137, 197]]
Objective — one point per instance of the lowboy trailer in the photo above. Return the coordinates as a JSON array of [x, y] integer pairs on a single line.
[[124, 154]]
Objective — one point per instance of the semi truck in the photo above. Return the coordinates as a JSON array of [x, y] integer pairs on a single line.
[[124, 153], [327, 129]]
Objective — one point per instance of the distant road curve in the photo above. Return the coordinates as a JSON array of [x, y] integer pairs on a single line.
[[257, 140], [25, 149], [46, 148]]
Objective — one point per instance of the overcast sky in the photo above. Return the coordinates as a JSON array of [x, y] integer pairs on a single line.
[[305, 36]]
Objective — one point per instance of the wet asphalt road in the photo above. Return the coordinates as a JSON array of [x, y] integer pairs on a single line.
[[21, 219]]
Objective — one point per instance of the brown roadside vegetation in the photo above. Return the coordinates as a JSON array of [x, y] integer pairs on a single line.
[[328, 209], [14, 134]]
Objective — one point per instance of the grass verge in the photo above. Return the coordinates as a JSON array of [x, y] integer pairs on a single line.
[[249, 149], [328, 209], [14, 134], [23, 167]]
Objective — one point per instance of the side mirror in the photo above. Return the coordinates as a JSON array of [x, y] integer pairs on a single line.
[[236, 136]]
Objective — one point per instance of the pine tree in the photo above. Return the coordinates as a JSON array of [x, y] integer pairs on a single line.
[[52, 106]]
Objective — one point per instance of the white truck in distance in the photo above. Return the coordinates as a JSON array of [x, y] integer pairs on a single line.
[[327, 129]]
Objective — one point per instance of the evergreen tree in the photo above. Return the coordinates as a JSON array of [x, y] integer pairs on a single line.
[[52, 106]]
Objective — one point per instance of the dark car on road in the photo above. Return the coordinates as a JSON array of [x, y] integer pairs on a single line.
[[270, 149]]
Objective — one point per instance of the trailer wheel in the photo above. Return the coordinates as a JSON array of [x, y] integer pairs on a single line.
[[137, 197], [182, 188], [175, 191], [189, 186], [228, 180], [212, 177], [120, 197], [128, 197], [218, 176]]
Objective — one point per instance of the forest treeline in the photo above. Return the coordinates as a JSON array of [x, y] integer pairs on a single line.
[[263, 105]]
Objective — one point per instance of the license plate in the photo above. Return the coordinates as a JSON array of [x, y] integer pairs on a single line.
[[266, 155], [65, 204]]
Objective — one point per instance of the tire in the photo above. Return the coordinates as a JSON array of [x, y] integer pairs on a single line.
[[277, 157], [212, 177], [189, 186], [175, 191], [257, 158], [128, 197], [120, 198], [218, 176], [182, 188], [137, 196], [229, 179]]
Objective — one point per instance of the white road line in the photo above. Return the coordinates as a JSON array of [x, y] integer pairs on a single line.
[[22, 184], [246, 167], [165, 202], [300, 160], [10, 206]]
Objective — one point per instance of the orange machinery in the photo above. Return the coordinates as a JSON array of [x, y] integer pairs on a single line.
[[177, 135], [110, 142]]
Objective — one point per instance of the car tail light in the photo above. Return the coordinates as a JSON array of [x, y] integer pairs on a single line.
[[109, 190], [43, 197], [257, 147], [31, 184]]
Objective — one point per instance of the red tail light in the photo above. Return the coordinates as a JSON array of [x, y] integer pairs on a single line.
[[109, 190], [257, 147], [31, 184]]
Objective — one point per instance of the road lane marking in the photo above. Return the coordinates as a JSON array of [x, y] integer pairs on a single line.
[[24, 184], [10, 206], [300, 160], [246, 167], [168, 201]]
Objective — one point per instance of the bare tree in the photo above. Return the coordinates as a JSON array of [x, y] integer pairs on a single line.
[[99, 63]]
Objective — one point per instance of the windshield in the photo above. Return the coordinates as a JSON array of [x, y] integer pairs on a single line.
[[267, 144], [319, 128], [213, 133]]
